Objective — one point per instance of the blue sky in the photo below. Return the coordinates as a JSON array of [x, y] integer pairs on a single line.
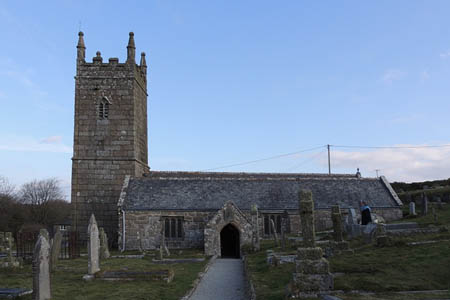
[[235, 81]]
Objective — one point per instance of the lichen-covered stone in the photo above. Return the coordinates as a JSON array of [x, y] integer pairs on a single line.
[[309, 253], [312, 282], [317, 266]]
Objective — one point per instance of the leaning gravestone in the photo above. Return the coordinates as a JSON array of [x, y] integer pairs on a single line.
[[56, 248], [312, 270], [284, 228], [274, 232], [412, 208], [93, 249], [41, 269], [104, 251], [255, 228]]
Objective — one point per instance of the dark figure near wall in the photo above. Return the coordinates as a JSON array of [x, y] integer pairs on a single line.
[[366, 216]]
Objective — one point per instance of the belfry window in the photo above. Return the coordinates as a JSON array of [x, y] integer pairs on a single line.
[[173, 227], [103, 110]]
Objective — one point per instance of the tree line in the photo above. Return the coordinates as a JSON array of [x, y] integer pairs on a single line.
[[34, 205]]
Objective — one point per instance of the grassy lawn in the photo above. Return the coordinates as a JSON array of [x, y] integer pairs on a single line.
[[382, 270], [67, 282]]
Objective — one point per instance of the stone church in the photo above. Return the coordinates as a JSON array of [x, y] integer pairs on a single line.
[[217, 212]]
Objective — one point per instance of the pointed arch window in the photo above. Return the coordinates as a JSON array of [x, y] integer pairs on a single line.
[[103, 108]]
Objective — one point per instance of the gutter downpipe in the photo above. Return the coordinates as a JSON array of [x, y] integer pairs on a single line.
[[123, 231]]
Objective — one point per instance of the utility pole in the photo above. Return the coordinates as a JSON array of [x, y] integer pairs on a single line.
[[376, 170], [329, 163]]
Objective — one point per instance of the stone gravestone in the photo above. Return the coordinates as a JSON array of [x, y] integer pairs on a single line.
[[424, 204], [44, 233], [284, 228], [255, 228], [6, 245], [41, 269], [433, 211], [139, 242], [274, 232], [312, 274], [337, 223], [56, 248], [353, 228], [104, 250], [93, 248], [338, 244], [412, 208], [382, 239]]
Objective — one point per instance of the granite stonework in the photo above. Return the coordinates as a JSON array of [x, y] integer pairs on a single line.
[[148, 224], [110, 134], [56, 248], [41, 269], [6, 247], [312, 273], [93, 247], [228, 214]]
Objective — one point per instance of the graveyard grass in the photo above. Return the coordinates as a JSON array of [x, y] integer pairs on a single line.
[[381, 270], [67, 282]]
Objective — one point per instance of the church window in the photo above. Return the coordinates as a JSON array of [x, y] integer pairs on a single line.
[[173, 227], [276, 218], [103, 110]]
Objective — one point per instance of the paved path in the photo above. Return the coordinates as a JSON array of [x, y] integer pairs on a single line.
[[223, 281]]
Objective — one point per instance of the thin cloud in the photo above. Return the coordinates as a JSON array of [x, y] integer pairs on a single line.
[[445, 55], [408, 165], [30, 144], [56, 139], [392, 75], [424, 76]]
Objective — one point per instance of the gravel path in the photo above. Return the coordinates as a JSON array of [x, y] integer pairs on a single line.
[[223, 281]]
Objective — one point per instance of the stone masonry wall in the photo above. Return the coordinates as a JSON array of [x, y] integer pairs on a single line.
[[106, 149], [149, 225]]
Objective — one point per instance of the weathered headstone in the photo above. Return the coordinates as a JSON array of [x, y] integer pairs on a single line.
[[139, 242], [93, 247], [424, 204], [6, 245], [56, 248], [412, 208], [284, 228], [306, 206], [369, 232], [274, 232], [41, 269], [337, 223], [104, 250], [435, 217], [45, 234], [382, 239], [312, 274], [255, 228]]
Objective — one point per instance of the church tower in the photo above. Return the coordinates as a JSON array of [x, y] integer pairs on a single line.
[[110, 134]]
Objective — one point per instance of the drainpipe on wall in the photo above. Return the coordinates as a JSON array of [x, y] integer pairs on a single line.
[[123, 230]]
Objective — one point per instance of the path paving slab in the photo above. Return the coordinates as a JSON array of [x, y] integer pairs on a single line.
[[224, 280]]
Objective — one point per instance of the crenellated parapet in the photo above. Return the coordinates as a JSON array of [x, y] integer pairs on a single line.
[[127, 69]]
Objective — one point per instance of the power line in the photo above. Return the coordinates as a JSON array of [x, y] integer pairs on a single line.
[[262, 159], [308, 160], [391, 147]]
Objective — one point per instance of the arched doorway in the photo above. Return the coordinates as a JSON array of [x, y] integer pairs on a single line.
[[229, 242]]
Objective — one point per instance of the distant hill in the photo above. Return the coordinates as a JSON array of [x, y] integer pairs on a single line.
[[433, 189]]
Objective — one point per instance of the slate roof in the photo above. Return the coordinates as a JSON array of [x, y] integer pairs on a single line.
[[270, 191]]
